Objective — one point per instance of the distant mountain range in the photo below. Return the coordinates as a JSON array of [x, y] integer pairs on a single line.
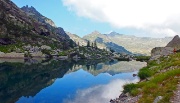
[[122, 43], [137, 45], [99, 40]]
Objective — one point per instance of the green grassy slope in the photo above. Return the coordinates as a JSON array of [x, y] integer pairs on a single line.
[[159, 78]]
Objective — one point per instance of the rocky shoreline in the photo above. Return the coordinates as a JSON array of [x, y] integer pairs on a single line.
[[126, 98], [11, 55]]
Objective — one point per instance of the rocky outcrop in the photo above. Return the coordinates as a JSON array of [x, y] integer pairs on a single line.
[[46, 47], [174, 43]]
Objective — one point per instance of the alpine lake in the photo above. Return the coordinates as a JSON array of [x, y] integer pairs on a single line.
[[64, 81]]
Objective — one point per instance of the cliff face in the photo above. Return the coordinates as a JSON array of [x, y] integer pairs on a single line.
[[174, 43], [27, 26]]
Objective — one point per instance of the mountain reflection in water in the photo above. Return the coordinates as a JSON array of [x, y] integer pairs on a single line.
[[65, 81]]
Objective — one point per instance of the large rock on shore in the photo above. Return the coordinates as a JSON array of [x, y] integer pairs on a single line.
[[11, 55], [160, 51], [38, 54], [46, 47]]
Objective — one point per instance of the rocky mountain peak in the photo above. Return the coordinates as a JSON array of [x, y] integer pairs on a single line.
[[95, 32], [175, 42], [31, 11], [176, 38]]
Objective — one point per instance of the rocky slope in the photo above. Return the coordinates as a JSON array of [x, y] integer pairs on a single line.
[[33, 13], [78, 40], [104, 42], [142, 45], [27, 26]]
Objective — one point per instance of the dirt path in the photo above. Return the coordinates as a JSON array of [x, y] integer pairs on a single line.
[[176, 97]]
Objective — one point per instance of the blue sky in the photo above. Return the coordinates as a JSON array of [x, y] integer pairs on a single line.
[[145, 18], [62, 17]]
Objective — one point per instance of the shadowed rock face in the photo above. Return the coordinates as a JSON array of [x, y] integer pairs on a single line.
[[5, 41], [175, 43]]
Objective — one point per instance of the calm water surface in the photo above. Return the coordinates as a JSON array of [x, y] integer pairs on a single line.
[[65, 81]]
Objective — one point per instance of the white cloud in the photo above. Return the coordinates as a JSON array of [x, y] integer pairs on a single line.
[[101, 93], [151, 16]]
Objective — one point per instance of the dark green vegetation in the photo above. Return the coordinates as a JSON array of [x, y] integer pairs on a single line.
[[159, 78], [142, 58], [122, 59]]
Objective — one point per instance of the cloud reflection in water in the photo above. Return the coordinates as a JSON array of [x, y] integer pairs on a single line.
[[100, 93]]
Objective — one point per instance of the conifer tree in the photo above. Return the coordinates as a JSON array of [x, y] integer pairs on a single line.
[[95, 44], [92, 45], [88, 44]]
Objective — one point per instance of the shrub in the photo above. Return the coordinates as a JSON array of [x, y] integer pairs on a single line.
[[144, 73], [142, 58], [128, 88], [62, 54], [47, 52]]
